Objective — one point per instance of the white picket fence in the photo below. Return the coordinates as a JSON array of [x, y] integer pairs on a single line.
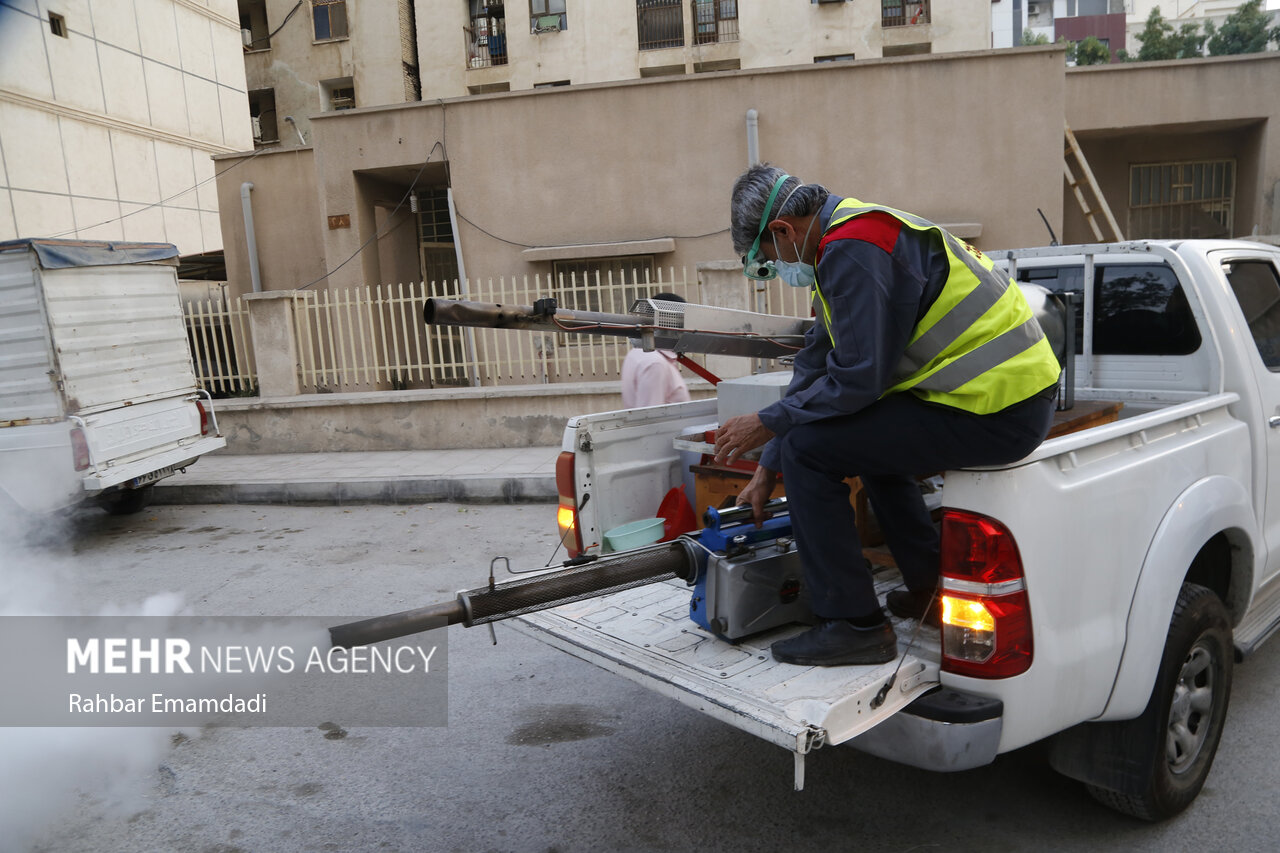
[[374, 338]]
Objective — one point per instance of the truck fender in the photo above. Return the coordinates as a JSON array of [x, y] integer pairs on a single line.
[[1205, 509]]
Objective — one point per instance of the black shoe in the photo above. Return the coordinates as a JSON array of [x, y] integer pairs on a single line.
[[913, 604], [836, 642]]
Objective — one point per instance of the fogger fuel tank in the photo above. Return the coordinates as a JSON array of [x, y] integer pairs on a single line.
[[745, 579]]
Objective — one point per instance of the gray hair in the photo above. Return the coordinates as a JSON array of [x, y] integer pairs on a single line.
[[751, 193]]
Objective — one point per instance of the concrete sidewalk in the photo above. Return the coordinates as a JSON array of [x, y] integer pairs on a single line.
[[507, 475]]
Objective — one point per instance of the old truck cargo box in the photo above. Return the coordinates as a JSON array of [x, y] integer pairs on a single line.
[[94, 362]]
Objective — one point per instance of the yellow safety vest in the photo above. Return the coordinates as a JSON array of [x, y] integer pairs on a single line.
[[978, 347]]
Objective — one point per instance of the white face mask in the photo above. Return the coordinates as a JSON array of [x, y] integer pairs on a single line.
[[795, 273]]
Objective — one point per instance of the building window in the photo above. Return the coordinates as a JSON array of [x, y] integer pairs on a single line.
[[254, 32], [547, 16], [715, 21], [337, 94], [902, 13], [660, 23], [835, 57], [487, 36], [57, 25], [330, 17], [551, 85], [262, 113], [1170, 201], [907, 49]]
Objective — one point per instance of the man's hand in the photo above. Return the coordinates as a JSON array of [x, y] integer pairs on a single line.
[[738, 435], [757, 492]]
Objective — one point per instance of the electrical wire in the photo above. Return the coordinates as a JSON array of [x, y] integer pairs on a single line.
[[190, 189], [380, 233], [444, 137], [277, 30]]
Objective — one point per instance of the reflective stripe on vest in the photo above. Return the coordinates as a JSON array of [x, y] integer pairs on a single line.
[[978, 346]]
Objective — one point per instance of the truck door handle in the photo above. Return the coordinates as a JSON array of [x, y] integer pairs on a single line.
[[1273, 421]]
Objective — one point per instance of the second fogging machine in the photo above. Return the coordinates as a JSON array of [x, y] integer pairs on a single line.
[[744, 579]]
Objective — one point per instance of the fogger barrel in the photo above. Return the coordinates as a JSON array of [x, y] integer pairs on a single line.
[[610, 573], [660, 324]]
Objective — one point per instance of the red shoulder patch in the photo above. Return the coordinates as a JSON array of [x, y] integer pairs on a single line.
[[877, 228]]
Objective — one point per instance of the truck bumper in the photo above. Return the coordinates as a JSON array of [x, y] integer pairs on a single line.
[[154, 467], [945, 730]]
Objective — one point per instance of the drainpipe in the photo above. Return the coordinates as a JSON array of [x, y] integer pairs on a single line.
[[255, 275], [468, 334], [753, 137]]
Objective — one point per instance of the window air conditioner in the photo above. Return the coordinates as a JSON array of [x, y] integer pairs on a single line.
[[1033, 9]]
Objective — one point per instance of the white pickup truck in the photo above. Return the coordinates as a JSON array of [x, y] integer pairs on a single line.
[[98, 398], [1097, 592]]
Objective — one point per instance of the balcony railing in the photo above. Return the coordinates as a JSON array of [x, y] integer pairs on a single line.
[[660, 23], [715, 21], [904, 13], [486, 40]]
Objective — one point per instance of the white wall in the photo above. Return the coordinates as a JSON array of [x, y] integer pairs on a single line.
[[108, 132]]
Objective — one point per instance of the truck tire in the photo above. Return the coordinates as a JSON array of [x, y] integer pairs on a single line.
[[1163, 757], [127, 501]]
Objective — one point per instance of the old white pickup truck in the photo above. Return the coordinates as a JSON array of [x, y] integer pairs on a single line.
[[1097, 592], [98, 397]]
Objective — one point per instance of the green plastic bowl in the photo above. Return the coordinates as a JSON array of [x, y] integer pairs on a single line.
[[634, 534]]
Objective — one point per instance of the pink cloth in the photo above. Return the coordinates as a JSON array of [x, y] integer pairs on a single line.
[[651, 379]]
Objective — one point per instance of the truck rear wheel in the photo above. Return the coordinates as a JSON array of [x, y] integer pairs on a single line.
[[1163, 757], [127, 501]]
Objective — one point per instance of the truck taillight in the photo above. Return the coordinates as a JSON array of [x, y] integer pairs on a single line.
[[79, 449], [567, 512], [986, 615], [204, 417]]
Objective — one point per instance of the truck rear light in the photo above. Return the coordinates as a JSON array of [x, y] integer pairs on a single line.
[[204, 417], [567, 511], [79, 449], [986, 615]]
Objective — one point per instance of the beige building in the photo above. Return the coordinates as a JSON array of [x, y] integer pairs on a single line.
[[636, 174], [330, 55], [109, 113]]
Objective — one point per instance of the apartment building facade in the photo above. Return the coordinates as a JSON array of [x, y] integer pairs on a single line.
[[309, 57], [110, 111]]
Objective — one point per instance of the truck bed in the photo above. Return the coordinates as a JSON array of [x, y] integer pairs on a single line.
[[645, 634]]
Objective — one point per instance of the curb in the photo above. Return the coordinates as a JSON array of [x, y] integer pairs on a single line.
[[506, 489]]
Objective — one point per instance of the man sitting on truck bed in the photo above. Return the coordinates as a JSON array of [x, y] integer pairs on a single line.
[[922, 358]]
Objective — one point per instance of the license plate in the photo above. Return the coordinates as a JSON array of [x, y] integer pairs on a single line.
[[152, 477]]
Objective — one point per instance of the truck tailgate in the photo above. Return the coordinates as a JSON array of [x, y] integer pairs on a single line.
[[645, 634]]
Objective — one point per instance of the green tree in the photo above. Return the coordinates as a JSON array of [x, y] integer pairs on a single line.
[[1092, 52], [1030, 38], [1161, 41], [1244, 31]]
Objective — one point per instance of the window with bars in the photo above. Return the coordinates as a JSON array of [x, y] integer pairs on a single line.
[[547, 16], [715, 21], [660, 23], [902, 13], [329, 18], [1181, 200]]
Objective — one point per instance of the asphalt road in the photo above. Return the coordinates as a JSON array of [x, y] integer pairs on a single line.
[[542, 752]]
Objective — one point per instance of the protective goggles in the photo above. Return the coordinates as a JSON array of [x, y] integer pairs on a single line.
[[754, 265]]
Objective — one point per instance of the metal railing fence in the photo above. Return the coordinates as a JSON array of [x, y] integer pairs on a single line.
[[373, 338]]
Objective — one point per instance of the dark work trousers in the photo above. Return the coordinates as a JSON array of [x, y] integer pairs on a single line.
[[888, 444]]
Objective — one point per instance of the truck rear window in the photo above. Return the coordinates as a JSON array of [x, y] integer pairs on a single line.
[[1139, 309]]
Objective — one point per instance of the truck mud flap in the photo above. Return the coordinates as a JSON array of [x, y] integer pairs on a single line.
[[645, 634]]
